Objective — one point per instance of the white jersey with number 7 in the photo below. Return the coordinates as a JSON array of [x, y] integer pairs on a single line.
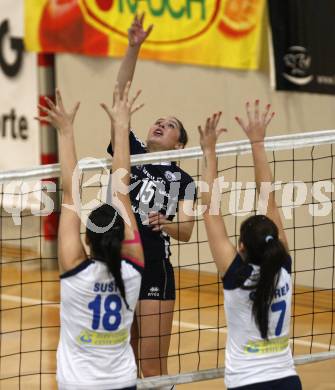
[[249, 358]]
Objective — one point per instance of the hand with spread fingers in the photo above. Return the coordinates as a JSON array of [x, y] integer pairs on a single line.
[[157, 221], [209, 134], [56, 115], [257, 123], [136, 33], [123, 107]]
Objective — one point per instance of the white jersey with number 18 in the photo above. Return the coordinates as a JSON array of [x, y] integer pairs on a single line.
[[94, 351]]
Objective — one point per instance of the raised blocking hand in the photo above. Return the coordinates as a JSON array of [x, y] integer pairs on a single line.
[[255, 128], [56, 115]]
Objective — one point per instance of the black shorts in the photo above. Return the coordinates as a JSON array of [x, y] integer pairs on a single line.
[[288, 383], [158, 281]]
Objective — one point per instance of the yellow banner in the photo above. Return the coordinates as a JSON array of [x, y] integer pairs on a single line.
[[222, 33]]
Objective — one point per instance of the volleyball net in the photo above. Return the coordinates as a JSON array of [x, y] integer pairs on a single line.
[[303, 166]]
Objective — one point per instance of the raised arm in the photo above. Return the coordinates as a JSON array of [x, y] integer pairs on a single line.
[[222, 249], [255, 129], [70, 249], [120, 116], [136, 36]]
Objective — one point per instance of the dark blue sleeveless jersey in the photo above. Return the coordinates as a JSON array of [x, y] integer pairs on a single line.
[[156, 188]]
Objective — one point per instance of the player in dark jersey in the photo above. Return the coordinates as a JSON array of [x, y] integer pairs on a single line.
[[159, 192]]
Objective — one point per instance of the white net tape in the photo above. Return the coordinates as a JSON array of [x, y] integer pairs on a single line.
[[217, 373], [282, 142]]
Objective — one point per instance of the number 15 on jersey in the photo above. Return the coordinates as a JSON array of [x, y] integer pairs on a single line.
[[147, 191]]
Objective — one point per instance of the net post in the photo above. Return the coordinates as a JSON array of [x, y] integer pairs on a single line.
[[49, 155]]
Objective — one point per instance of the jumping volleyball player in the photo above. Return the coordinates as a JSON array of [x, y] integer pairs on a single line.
[[256, 276], [98, 293], [167, 191]]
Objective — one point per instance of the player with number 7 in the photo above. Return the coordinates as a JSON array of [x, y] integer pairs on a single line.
[[256, 275]]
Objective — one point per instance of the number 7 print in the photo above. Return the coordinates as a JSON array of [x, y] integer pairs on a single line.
[[279, 306]]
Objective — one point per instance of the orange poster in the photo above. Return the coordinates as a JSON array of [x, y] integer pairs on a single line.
[[222, 33]]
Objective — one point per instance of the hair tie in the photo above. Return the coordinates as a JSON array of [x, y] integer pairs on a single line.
[[268, 238]]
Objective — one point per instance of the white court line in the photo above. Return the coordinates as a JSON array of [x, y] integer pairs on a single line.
[[182, 324]]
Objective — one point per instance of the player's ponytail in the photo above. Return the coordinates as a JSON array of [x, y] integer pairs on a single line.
[[111, 243], [106, 246], [259, 236]]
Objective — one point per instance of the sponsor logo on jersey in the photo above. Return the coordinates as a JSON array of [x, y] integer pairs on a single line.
[[277, 344], [89, 337], [297, 65], [170, 176]]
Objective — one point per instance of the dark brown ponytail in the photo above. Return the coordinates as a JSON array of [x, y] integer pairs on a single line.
[[259, 236], [106, 246]]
